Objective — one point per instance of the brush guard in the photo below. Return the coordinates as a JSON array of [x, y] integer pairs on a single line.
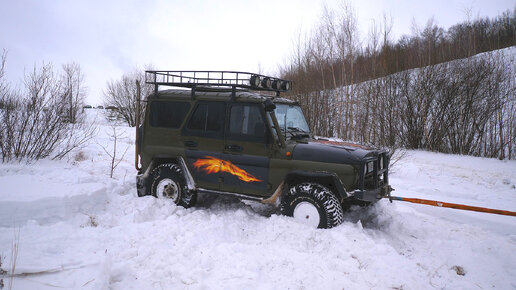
[[374, 178]]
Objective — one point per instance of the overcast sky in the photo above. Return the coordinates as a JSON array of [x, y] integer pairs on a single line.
[[108, 38]]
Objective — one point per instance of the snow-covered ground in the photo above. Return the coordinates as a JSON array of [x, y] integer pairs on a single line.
[[80, 229]]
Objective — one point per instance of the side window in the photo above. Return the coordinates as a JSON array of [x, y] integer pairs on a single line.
[[198, 119], [246, 123], [207, 120], [168, 114]]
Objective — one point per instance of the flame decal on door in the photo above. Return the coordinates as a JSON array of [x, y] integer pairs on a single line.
[[211, 165]]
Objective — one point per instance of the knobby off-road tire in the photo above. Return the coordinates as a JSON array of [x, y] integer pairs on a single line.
[[313, 204], [167, 181]]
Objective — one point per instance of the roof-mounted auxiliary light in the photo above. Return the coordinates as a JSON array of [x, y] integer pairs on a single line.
[[266, 83], [255, 81], [276, 84], [285, 85]]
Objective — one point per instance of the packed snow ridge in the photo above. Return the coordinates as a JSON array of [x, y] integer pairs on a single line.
[[77, 228]]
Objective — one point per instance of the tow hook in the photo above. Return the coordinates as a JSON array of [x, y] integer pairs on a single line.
[[386, 192]]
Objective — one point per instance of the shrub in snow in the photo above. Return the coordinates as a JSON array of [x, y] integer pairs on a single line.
[[120, 97], [44, 118]]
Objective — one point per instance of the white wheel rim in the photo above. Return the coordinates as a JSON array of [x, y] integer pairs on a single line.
[[167, 188], [307, 213]]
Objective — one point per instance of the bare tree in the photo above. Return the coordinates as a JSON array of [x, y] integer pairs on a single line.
[[121, 94], [4, 106], [348, 43], [74, 91], [4, 86], [115, 137]]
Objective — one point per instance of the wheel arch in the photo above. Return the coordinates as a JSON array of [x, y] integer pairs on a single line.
[[327, 179], [164, 159], [160, 159], [172, 173]]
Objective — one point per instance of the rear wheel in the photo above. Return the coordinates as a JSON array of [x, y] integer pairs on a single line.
[[312, 204], [167, 181]]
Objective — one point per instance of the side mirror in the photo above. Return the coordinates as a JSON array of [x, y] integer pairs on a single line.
[[269, 105]]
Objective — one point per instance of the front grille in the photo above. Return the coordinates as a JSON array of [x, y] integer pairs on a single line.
[[374, 173]]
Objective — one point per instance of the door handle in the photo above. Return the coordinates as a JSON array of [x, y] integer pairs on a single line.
[[234, 148], [190, 143]]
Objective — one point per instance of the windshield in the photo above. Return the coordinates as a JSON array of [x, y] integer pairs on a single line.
[[290, 117]]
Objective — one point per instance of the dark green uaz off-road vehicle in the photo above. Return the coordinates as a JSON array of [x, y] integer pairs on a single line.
[[217, 135]]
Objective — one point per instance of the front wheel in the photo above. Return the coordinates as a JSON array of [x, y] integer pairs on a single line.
[[312, 204], [168, 182]]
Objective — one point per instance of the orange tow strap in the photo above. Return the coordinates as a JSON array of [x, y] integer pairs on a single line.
[[452, 205]]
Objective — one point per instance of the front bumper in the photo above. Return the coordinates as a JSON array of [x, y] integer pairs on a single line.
[[374, 194]]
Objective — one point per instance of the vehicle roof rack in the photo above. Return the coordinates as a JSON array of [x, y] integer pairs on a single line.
[[216, 79]]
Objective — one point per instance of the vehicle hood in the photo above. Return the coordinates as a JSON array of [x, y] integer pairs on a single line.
[[331, 152]]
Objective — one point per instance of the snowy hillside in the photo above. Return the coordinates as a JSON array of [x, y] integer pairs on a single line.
[[80, 229]]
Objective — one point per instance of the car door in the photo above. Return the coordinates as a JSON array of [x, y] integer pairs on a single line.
[[203, 138], [246, 150]]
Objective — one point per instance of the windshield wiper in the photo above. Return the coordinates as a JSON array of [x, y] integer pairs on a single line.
[[296, 129], [297, 132]]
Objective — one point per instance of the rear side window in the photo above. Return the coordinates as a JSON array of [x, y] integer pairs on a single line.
[[207, 120], [168, 114]]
